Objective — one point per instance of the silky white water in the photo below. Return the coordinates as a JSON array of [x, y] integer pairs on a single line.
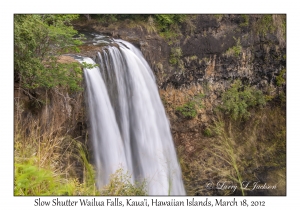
[[128, 123]]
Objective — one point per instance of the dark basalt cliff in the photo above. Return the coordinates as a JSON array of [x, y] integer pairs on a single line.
[[208, 54], [210, 51], [211, 48]]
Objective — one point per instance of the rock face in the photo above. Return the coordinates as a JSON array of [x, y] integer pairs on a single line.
[[214, 48], [210, 52]]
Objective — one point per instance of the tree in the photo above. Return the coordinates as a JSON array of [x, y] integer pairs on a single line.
[[38, 41]]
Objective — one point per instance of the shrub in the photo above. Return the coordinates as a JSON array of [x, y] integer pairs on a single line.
[[237, 100], [120, 184], [235, 50], [208, 132], [218, 16], [188, 110], [168, 25], [165, 21], [175, 56], [265, 25], [280, 80], [245, 20]]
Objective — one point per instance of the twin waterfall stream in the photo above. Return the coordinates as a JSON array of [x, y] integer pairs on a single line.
[[128, 124]]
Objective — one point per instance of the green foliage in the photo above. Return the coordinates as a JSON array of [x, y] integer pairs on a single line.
[[32, 180], [38, 41], [167, 25], [86, 65], [171, 35], [237, 100], [188, 110], [218, 16], [257, 144], [89, 175], [237, 152], [208, 132], [235, 50], [265, 25], [175, 56], [198, 100], [165, 21], [282, 97], [245, 20], [283, 27], [280, 79], [120, 184], [284, 57], [28, 179], [194, 57], [46, 162], [225, 150]]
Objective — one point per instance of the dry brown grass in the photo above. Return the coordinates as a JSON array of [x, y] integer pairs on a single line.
[[66, 59], [55, 163], [44, 123], [177, 97], [238, 151], [241, 150]]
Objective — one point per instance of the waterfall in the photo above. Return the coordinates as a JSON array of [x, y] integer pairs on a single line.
[[128, 124]]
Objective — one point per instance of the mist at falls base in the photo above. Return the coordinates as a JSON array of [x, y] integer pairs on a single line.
[[128, 124]]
